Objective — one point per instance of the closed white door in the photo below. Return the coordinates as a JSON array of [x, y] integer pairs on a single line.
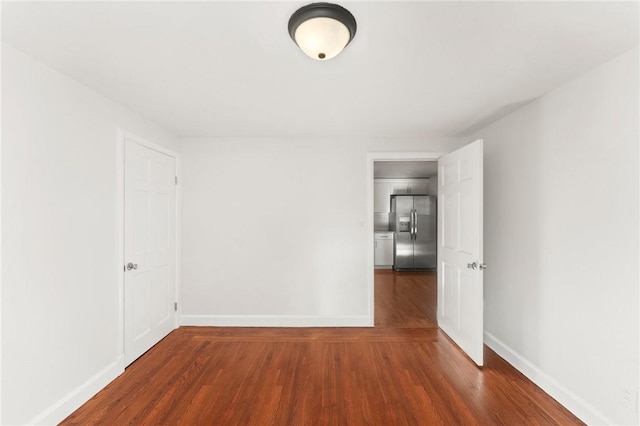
[[150, 248], [460, 267]]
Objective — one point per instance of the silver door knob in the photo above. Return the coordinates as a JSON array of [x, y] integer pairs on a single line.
[[131, 266], [483, 266], [473, 265]]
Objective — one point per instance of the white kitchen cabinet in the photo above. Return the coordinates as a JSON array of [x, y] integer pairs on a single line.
[[383, 255], [381, 193], [413, 186], [384, 188], [418, 186], [399, 187]]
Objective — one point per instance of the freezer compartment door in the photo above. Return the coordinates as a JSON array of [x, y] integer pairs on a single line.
[[403, 251], [403, 248], [425, 239]]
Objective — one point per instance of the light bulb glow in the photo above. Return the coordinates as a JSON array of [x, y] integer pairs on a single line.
[[322, 38]]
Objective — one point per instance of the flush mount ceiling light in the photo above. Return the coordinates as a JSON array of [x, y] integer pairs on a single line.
[[322, 30]]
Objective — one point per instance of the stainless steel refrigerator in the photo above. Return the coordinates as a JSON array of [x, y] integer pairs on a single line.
[[413, 219]]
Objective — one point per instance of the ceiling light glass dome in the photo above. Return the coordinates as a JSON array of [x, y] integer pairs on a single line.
[[322, 30]]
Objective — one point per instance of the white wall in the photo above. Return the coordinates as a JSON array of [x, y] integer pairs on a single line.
[[561, 240], [273, 234], [274, 229], [59, 266]]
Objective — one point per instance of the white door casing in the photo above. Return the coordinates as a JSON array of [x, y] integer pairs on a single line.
[[149, 245], [460, 255]]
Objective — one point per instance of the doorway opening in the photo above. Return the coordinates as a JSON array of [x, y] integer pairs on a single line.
[[460, 263], [404, 233]]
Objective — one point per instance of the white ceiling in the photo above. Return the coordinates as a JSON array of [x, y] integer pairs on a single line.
[[404, 169], [414, 69]]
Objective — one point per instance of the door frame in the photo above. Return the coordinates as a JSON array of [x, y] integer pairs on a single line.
[[372, 157], [122, 136]]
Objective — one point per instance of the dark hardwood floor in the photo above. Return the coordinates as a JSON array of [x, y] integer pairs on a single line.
[[402, 372]]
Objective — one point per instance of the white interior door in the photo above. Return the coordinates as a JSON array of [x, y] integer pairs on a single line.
[[460, 257], [150, 248]]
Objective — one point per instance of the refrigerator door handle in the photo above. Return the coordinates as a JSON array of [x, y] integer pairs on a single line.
[[411, 224], [415, 224]]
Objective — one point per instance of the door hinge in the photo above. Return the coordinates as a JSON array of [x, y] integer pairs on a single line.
[[176, 180], [175, 306]]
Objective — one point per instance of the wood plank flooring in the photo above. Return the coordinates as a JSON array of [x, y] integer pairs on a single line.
[[405, 299], [387, 375]]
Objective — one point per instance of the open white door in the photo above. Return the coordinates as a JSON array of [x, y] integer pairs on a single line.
[[150, 247], [460, 257]]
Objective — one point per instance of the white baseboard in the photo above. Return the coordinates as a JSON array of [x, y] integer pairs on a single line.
[[556, 390], [72, 401], [276, 321]]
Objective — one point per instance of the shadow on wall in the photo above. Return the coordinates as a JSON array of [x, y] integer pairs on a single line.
[[510, 235], [494, 115]]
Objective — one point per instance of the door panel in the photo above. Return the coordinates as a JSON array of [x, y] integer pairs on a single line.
[[141, 296], [150, 246], [449, 219], [468, 235], [162, 302], [466, 320], [163, 207], [449, 294], [460, 283], [141, 210]]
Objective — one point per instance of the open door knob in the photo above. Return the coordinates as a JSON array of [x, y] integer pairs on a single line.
[[131, 266], [473, 265]]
